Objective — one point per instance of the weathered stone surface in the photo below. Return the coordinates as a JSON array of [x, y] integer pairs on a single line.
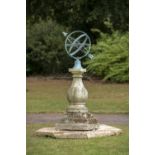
[[76, 126], [77, 121], [103, 130]]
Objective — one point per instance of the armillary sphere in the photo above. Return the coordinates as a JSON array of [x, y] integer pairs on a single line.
[[77, 45]]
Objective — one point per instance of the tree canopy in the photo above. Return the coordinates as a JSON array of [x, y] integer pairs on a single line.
[[83, 14]]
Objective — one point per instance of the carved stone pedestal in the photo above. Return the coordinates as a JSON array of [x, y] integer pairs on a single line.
[[78, 122], [77, 115]]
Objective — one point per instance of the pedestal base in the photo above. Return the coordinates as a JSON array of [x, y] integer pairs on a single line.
[[77, 121], [103, 130], [76, 126]]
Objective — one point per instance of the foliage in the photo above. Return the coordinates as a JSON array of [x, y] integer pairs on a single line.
[[81, 14], [45, 51], [110, 57]]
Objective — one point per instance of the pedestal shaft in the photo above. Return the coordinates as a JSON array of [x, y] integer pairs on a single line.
[[77, 93]]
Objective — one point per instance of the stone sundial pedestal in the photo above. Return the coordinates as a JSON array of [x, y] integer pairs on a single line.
[[77, 117], [78, 121]]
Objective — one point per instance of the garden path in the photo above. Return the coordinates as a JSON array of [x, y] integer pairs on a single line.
[[121, 119]]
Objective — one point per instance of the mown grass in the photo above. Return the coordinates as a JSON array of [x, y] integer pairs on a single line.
[[114, 145], [46, 95]]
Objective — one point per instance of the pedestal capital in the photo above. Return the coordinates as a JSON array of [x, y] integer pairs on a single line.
[[77, 72]]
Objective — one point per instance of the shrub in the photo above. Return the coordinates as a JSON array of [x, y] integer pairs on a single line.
[[45, 48], [110, 57]]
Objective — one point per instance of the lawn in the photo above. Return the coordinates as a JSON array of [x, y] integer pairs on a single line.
[[114, 145], [48, 95]]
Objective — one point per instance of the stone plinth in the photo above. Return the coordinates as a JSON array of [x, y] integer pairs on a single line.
[[102, 131], [78, 121]]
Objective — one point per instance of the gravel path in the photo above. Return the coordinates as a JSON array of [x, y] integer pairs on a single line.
[[54, 117]]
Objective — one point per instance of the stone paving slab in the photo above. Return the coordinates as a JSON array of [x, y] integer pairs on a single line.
[[102, 131]]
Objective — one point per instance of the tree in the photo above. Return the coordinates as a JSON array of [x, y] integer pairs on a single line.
[[45, 48], [81, 14]]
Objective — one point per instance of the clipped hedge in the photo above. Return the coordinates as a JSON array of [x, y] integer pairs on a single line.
[[110, 57]]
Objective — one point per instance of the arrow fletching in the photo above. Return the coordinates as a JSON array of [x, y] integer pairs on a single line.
[[65, 34]]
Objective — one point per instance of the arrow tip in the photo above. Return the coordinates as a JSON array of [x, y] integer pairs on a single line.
[[90, 56]]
